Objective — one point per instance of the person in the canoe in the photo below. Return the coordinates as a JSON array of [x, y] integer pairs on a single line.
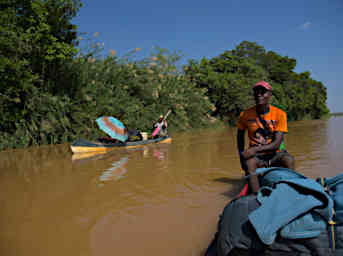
[[266, 125], [163, 130]]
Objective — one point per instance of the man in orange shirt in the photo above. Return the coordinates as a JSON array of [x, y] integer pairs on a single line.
[[266, 126]]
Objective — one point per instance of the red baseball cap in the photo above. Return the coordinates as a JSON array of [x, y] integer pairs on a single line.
[[263, 84]]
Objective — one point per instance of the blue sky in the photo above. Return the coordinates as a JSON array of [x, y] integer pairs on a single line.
[[311, 31]]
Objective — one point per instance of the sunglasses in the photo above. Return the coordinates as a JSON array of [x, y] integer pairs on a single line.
[[260, 90]]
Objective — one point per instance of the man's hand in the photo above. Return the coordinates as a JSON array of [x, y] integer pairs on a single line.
[[249, 153]]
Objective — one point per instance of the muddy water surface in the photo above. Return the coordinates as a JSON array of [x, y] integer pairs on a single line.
[[158, 200]]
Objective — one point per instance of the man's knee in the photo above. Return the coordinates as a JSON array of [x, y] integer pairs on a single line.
[[288, 161], [252, 164]]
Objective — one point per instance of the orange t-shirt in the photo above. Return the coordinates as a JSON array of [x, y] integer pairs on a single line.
[[276, 120]]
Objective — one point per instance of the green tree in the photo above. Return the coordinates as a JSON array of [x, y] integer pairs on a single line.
[[228, 79], [37, 38]]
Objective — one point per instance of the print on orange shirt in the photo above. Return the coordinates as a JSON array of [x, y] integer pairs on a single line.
[[275, 120]]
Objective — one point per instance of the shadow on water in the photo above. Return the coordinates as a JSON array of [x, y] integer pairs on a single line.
[[232, 181], [236, 185]]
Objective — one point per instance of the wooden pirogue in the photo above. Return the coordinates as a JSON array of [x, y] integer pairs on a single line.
[[85, 146]]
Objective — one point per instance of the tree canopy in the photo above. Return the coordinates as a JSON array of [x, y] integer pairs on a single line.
[[229, 78], [51, 91]]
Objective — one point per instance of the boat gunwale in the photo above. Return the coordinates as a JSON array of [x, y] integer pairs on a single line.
[[81, 146]]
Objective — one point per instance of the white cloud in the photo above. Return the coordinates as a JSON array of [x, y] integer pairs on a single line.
[[306, 25]]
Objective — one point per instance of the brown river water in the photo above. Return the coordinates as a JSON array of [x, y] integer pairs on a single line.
[[163, 199]]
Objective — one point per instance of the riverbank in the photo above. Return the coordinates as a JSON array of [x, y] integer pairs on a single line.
[[336, 114], [54, 89]]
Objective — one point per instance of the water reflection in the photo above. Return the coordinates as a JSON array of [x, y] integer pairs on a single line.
[[115, 172], [119, 162]]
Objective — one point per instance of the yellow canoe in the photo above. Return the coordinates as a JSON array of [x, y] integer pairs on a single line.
[[85, 146]]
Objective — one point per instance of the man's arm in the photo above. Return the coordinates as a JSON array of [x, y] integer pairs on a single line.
[[240, 140], [274, 145], [240, 147]]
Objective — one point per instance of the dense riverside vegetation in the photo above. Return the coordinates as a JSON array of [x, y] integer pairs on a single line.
[[51, 90], [228, 79]]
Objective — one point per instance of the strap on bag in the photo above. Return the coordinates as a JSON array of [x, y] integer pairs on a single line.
[[264, 124], [332, 222]]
